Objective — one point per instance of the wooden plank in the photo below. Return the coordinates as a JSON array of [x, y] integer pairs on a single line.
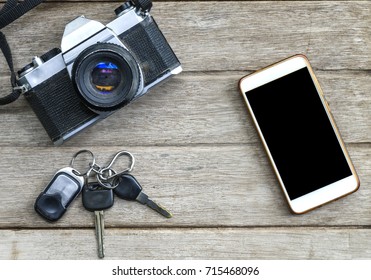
[[155, 2], [207, 39], [204, 186], [191, 109], [196, 149], [226, 243]]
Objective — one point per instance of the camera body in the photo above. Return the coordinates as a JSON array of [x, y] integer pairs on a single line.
[[98, 70]]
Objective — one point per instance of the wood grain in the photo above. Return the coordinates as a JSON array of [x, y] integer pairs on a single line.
[[194, 109], [223, 243], [196, 150], [208, 36], [204, 186]]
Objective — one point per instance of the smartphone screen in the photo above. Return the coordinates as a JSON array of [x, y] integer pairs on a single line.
[[298, 133], [302, 142]]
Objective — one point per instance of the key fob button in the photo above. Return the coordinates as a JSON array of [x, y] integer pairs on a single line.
[[65, 186], [49, 206]]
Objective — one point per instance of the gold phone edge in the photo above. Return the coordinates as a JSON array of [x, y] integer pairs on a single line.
[[332, 121]]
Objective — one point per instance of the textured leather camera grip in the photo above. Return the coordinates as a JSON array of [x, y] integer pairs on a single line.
[[155, 56], [57, 106]]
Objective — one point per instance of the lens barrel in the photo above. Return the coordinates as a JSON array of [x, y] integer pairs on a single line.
[[106, 76]]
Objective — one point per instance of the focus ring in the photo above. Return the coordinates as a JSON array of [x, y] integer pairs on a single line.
[[82, 72]]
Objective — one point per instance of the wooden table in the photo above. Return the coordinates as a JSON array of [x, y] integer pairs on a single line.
[[196, 149]]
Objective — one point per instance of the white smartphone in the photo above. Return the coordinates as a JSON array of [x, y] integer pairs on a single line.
[[299, 134]]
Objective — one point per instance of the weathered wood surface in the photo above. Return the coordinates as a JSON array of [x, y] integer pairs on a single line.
[[196, 149], [195, 108], [204, 185], [218, 243]]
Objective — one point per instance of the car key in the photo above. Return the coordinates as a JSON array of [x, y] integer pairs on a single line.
[[128, 188], [96, 199], [64, 187]]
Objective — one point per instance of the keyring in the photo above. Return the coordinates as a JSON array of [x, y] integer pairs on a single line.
[[100, 175], [107, 184], [91, 164]]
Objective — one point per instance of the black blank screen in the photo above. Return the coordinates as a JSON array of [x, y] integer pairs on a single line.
[[298, 133]]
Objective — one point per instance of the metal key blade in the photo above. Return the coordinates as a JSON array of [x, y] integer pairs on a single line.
[[129, 189], [99, 229], [96, 199], [143, 198]]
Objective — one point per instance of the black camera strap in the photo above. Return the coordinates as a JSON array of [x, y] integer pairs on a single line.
[[11, 11]]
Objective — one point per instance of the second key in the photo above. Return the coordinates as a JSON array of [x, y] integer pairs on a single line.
[[128, 188]]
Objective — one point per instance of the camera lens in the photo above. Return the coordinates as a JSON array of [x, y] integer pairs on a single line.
[[106, 76]]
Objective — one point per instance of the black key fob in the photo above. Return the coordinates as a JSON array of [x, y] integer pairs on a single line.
[[128, 187], [96, 198], [65, 186]]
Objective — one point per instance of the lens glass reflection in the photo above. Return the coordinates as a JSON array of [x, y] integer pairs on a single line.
[[106, 77]]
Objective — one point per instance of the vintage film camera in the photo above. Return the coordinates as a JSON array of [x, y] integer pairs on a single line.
[[98, 70]]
